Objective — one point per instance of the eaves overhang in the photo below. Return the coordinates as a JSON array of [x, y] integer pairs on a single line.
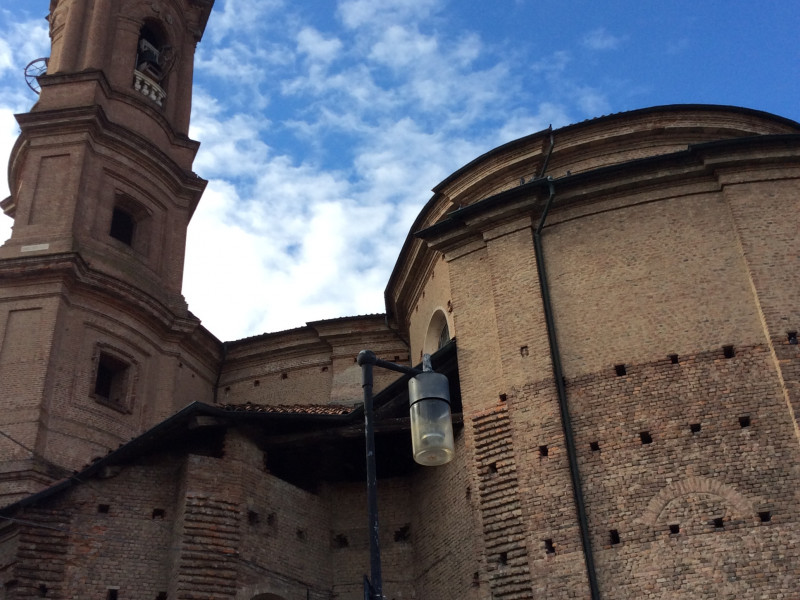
[[283, 430], [658, 130], [637, 113], [698, 160]]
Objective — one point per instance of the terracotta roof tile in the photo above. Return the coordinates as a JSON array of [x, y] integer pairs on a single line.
[[291, 409]]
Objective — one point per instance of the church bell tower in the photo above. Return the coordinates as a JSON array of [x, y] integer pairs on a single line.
[[93, 326]]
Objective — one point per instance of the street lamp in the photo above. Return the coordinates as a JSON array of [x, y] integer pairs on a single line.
[[431, 439]]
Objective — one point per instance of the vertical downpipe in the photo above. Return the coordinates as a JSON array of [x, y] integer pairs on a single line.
[[558, 375], [219, 371]]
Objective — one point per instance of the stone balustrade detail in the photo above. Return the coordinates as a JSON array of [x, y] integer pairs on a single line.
[[147, 87]]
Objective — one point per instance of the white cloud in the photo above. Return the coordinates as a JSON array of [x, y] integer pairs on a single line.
[[282, 237], [236, 18], [400, 105], [6, 56], [379, 15], [522, 124], [600, 39], [231, 145], [20, 44], [241, 62], [591, 101], [400, 47], [554, 64], [315, 46]]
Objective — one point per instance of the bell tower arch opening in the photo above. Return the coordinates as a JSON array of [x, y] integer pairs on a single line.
[[153, 52], [154, 58]]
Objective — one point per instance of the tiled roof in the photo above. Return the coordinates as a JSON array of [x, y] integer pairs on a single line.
[[308, 326], [291, 409]]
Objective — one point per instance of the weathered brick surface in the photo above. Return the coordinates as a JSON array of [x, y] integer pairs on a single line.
[[648, 279], [670, 263], [42, 554], [498, 492], [72, 290], [433, 301], [641, 266], [687, 478], [448, 559], [314, 364]]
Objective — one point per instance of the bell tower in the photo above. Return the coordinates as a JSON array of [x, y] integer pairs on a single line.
[[92, 321]]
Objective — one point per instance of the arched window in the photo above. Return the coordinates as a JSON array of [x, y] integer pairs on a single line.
[[154, 57], [444, 336], [438, 333], [153, 53]]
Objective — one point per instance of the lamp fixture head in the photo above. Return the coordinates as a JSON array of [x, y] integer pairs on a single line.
[[431, 426]]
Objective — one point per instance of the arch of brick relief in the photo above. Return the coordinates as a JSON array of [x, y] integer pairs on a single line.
[[262, 592], [696, 485]]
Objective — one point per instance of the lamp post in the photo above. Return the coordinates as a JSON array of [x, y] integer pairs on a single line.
[[431, 440]]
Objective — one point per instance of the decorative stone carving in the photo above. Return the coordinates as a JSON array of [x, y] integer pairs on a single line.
[[147, 87]]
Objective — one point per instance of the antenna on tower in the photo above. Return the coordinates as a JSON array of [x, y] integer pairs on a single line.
[[33, 70]]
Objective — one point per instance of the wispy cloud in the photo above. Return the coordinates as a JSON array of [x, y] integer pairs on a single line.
[[678, 46], [400, 105], [20, 44], [600, 39], [316, 46], [379, 15], [241, 18], [325, 124], [321, 140]]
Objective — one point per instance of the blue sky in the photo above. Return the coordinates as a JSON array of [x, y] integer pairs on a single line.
[[324, 124]]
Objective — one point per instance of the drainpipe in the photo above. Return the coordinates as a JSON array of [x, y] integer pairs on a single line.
[[219, 370], [397, 334], [558, 375]]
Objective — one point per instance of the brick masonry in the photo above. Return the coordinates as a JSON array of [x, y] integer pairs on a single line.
[[670, 254]]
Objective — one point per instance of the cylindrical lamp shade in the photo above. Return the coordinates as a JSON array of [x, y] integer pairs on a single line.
[[431, 426]]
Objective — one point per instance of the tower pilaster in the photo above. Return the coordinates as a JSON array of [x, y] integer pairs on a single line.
[[93, 326]]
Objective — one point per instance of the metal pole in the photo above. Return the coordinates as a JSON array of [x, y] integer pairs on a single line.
[[373, 590], [372, 483]]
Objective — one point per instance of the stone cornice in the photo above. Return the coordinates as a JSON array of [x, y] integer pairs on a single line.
[[692, 171], [590, 147], [71, 270], [93, 120]]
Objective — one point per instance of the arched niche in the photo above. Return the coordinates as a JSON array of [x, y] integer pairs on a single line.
[[154, 53], [438, 333]]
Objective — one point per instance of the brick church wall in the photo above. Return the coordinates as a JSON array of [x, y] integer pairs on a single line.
[[675, 326]]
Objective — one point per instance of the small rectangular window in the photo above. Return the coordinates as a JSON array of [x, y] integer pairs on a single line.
[[110, 379], [123, 226], [113, 381], [549, 546]]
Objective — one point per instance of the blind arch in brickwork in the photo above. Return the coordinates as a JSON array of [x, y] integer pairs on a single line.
[[696, 485]]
